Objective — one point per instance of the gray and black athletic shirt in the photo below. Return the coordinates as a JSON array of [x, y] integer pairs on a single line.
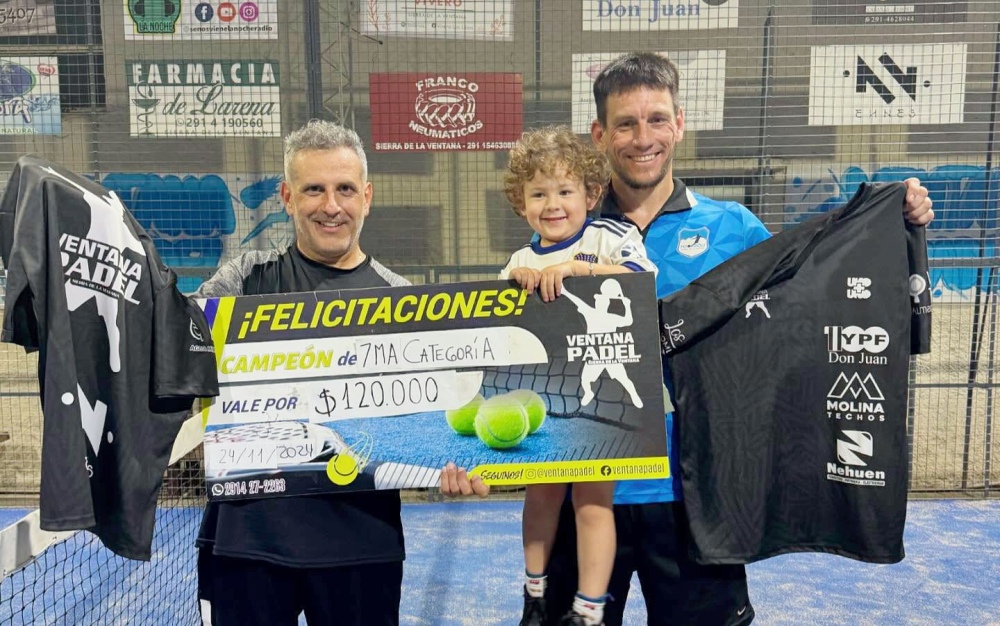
[[303, 531]]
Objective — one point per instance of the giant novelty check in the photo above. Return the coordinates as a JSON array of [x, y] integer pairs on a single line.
[[365, 389]]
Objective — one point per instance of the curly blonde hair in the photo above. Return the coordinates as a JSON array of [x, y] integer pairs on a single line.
[[552, 150]]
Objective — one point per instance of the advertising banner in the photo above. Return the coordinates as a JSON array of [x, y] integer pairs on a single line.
[[184, 20], [29, 96], [204, 98], [702, 85], [380, 388], [27, 17], [905, 84], [655, 15], [438, 19], [887, 12], [428, 112]]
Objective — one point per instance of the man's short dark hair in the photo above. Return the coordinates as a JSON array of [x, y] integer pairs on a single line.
[[631, 71]]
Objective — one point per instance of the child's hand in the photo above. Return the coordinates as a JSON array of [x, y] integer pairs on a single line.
[[552, 279], [526, 277]]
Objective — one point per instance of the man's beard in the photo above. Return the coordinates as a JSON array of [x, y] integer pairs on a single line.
[[640, 185]]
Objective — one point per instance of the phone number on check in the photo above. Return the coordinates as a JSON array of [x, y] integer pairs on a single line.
[[249, 487]]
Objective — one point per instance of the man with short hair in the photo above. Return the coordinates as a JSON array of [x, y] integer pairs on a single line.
[[338, 558], [639, 124]]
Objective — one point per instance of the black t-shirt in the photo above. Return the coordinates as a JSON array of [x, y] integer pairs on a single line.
[[790, 366], [303, 531], [122, 353]]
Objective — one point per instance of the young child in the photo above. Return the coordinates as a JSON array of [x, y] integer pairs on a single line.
[[553, 180]]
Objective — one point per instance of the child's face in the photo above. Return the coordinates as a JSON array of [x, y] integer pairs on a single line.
[[556, 206]]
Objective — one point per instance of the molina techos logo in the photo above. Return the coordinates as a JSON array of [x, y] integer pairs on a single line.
[[888, 13], [855, 398]]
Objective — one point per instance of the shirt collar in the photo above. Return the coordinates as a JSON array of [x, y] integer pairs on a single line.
[[538, 248], [323, 266], [680, 200]]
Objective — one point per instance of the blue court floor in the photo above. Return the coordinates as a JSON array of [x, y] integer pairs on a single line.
[[464, 568]]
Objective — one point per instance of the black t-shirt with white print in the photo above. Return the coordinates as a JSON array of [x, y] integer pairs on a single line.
[[790, 365], [122, 353]]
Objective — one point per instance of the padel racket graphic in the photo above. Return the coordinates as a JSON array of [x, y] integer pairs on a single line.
[[282, 444]]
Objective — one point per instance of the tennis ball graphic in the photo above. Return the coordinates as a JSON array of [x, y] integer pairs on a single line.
[[534, 405], [342, 469], [502, 422], [463, 419]]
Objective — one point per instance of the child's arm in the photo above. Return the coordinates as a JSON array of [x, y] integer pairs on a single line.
[[629, 251], [617, 253], [551, 278], [526, 277]]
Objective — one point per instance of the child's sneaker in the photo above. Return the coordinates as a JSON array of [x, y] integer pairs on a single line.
[[534, 611], [572, 619]]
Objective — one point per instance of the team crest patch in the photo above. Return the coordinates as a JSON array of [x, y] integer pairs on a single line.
[[629, 249], [692, 242]]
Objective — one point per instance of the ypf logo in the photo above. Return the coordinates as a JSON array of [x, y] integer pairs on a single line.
[[873, 340]]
